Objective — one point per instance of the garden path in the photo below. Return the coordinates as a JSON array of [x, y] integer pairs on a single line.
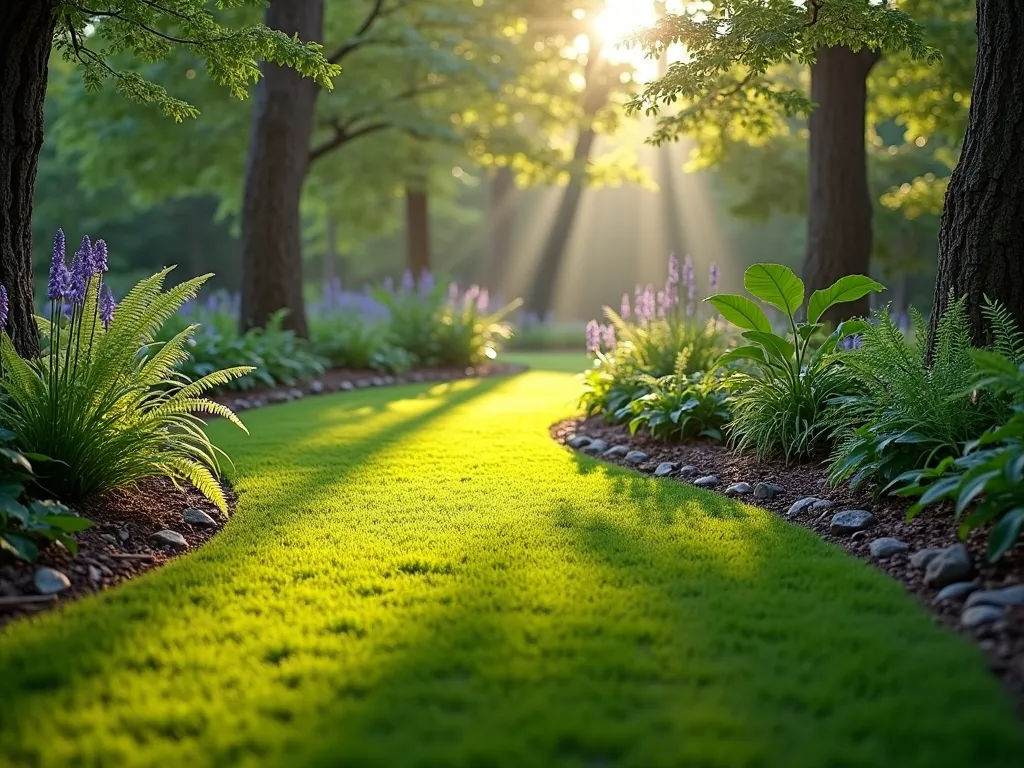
[[419, 576]]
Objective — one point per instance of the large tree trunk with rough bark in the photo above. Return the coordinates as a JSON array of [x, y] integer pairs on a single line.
[[26, 34], [839, 203], [282, 127], [501, 221], [981, 240], [417, 230]]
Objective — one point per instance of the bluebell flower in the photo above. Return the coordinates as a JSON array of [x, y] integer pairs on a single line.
[[4, 306], [107, 306], [99, 257], [60, 280], [81, 271]]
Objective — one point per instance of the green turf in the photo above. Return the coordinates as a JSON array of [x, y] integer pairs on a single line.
[[419, 577]]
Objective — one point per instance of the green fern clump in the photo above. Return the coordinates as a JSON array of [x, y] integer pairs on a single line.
[[105, 402], [910, 412]]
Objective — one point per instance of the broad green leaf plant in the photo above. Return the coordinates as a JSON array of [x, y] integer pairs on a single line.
[[105, 402], [784, 382]]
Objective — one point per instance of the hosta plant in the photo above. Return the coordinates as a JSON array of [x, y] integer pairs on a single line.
[[679, 407], [105, 402], [25, 523], [784, 388]]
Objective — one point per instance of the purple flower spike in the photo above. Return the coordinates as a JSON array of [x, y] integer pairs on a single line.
[[624, 307], [483, 301], [593, 336], [673, 269], [99, 257], [662, 303], [608, 337], [107, 306], [81, 271], [60, 280], [426, 283], [4, 306], [389, 284], [407, 281]]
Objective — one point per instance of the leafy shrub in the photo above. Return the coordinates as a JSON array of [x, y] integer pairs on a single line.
[[24, 524], [990, 469], [470, 332], [106, 402], [347, 340], [905, 413], [781, 398], [679, 407], [611, 384]]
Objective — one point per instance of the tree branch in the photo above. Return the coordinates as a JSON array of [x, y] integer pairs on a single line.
[[357, 40], [342, 136]]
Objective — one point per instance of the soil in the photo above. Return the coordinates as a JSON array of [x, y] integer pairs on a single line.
[[1002, 642], [118, 547]]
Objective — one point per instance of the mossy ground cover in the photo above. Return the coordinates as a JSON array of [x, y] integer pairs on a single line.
[[419, 576]]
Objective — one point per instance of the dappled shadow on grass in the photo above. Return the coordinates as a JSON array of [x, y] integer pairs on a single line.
[[443, 585]]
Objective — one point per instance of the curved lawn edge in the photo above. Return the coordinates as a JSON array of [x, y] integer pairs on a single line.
[[1003, 644], [421, 577]]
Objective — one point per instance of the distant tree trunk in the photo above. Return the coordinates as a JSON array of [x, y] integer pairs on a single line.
[[26, 34], [545, 281], [279, 156], [981, 239], [501, 224], [417, 230], [839, 203], [330, 250]]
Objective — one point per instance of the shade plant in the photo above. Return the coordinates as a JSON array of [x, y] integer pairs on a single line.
[[680, 407], [985, 483], [785, 382], [105, 401], [912, 405]]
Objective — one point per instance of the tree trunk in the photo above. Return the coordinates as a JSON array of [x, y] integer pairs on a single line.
[[501, 222], [839, 204], [417, 231], [26, 34], [599, 82], [981, 239], [282, 127]]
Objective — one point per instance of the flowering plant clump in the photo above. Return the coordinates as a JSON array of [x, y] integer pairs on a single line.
[[105, 402]]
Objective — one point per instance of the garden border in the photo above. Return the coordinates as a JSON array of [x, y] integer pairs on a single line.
[[1002, 642]]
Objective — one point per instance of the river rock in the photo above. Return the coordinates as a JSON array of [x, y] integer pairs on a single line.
[[616, 451], [957, 591], [767, 491], [578, 441], [949, 566], [738, 489], [851, 521], [978, 615], [595, 447], [887, 547], [665, 469], [636, 457], [709, 481], [49, 581], [199, 517], [1006, 596], [168, 538]]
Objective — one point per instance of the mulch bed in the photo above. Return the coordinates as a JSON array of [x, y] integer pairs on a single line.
[[1002, 642], [118, 546]]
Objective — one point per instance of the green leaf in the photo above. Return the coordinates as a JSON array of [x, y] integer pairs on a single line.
[[843, 290], [20, 546], [740, 311], [777, 285], [68, 523], [971, 489], [1005, 533], [774, 345], [747, 352]]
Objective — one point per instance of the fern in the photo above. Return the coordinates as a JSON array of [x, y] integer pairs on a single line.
[[906, 413], [108, 405]]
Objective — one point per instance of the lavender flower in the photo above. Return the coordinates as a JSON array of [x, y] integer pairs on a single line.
[[81, 271], [4, 306], [673, 269], [689, 278], [593, 336], [107, 306], [483, 301], [713, 278], [624, 307], [662, 303], [60, 280], [426, 283], [389, 284], [453, 292], [99, 257], [608, 336], [408, 281]]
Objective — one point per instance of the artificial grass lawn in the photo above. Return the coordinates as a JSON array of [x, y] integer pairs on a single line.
[[418, 576]]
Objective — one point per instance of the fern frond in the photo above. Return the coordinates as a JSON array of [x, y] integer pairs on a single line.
[[201, 477], [1007, 335]]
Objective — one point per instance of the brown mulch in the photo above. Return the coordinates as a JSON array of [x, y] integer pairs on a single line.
[[1002, 642], [118, 547]]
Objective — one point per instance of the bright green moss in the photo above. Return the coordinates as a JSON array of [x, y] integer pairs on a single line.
[[420, 577]]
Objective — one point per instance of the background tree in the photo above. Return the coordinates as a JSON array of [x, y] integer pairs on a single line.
[[95, 38], [734, 83]]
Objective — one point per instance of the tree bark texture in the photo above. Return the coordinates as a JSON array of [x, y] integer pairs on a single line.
[[417, 231], [501, 222], [839, 236], [26, 35], [981, 238], [282, 128]]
